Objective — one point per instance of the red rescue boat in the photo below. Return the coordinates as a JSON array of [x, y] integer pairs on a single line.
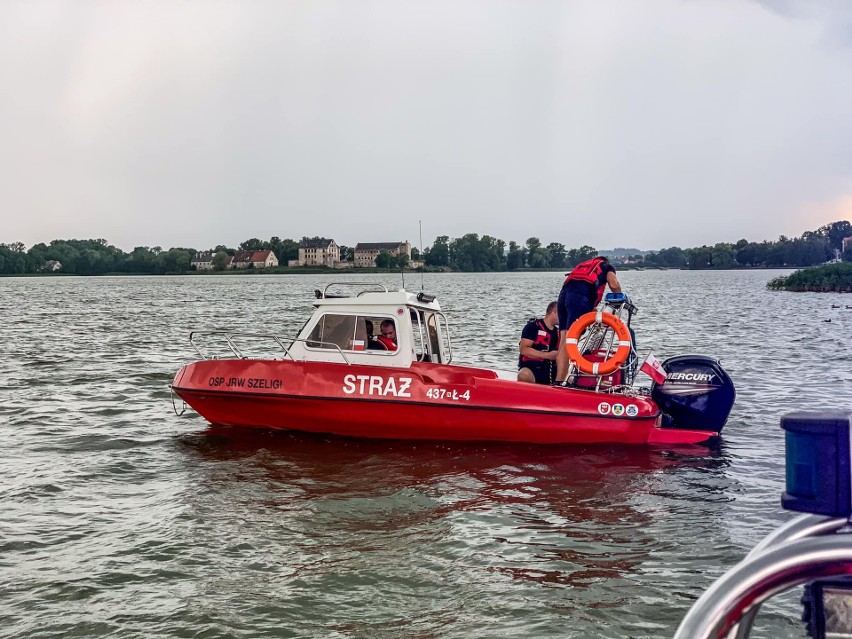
[[336, 377]]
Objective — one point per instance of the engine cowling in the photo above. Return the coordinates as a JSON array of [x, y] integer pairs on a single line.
[[697, 394]]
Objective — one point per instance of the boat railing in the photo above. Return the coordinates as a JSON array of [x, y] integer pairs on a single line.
[[372, 287], [277, 339], [814, 549], [804, 550]]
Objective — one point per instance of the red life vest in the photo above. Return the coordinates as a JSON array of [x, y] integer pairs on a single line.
[[387, 342], [546, 338], [590, 272]]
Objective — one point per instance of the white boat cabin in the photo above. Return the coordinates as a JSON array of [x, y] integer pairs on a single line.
[[360, 328]]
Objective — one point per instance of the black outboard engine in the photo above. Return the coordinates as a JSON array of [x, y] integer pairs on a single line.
[[697, 395]]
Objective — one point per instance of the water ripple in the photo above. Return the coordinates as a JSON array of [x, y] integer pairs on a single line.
[[121, 519]]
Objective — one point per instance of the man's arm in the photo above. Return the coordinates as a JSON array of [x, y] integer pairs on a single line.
[[527, 350], [612, 280]]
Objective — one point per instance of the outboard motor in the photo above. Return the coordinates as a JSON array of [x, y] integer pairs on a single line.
[[697, 395]]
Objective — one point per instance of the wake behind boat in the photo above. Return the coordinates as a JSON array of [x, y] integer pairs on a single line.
[[337, 377]]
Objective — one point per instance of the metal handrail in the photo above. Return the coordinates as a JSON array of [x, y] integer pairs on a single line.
[[276, 338], [728, 607], [447, 334], [372, 284], [801, 527]]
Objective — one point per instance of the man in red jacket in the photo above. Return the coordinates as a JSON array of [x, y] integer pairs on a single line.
[[581, 292], [388, 336]]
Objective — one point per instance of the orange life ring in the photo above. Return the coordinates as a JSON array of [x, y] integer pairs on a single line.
[[607, 366]]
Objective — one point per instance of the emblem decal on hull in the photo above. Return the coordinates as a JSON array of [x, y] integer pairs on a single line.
[[618, 410], [632, 410], [604, 408]]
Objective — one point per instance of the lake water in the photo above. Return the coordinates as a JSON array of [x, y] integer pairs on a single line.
[[121, 519]]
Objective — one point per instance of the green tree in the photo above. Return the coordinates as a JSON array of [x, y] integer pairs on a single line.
[[723, 255], [699, 258], [140, 260], [578, 255], [289, 251], [495, 252], [175, 260], [220, 260], [36, 257], [274, 245], [439, 254], [464, 252], [835, 232], [13, 259], [254, 244], [537, 256], [672, 257], [558, 255], [515, 259], [385, 260]]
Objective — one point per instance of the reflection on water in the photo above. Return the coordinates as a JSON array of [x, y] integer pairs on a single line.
[[480, 524], [122, 520]]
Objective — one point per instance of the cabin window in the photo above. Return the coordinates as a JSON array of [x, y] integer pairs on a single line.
[[351, 333], [419, 343], [425, 328], [431, 336]]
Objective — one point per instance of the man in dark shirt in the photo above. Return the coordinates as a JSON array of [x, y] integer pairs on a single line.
[[581, 292], [537, 349]]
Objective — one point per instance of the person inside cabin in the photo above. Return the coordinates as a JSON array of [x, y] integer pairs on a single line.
[[581, 292], [388, 337], [372, 344], [537, 348]]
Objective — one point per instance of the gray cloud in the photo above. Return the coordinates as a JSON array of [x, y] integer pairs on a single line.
[[586, 122]]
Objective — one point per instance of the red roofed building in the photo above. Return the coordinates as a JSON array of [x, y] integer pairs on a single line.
[[253, 259]]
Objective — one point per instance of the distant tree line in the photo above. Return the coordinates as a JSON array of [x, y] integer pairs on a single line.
[[92, 257], [473, 253], [467, 253]]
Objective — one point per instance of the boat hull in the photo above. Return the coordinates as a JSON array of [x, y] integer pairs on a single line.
[[423, 402]]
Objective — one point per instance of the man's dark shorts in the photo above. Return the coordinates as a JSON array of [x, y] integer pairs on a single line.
[[543, 371], [570, 306]]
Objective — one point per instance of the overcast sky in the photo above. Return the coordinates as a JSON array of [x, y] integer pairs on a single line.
[[632, 123]]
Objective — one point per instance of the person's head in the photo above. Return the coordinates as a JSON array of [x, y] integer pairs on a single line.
[[369, 326], [552, 313], [388, 329]]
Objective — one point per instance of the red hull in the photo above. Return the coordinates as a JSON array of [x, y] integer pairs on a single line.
[[424, 402]]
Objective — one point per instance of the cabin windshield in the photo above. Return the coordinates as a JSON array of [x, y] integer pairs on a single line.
[[354, 333]]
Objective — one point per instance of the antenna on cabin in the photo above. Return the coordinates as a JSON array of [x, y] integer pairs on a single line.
[[420, 222]]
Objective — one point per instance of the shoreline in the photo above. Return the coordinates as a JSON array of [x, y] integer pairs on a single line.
[[294, 270]]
